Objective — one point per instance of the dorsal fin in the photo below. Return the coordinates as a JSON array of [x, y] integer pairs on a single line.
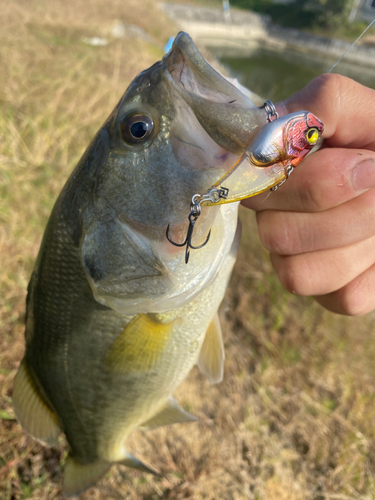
[[78, 477], [31, 411], [211, 356], [171, 413], [140, 344]]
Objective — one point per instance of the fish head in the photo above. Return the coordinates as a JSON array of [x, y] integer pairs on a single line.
[[178, 128]]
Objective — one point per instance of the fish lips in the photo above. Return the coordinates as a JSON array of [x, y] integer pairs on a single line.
[[228, 116]]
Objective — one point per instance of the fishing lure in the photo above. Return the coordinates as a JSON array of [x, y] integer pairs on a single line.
[[268, 162]]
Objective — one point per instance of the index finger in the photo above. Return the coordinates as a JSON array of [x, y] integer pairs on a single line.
[[346, 108], [328, 178]]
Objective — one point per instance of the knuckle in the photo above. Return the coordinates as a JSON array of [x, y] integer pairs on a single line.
[[352, 300], [292, 274], [276, 233], [328, 91], [330, 81], [286, 233], [266, 230], [274, 241], [310, 195], [331, 85]]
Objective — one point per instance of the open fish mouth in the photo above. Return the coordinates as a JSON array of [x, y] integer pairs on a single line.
[[227, 115]]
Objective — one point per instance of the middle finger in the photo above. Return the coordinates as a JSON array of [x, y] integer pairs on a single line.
[[325, 180], [291, 233]]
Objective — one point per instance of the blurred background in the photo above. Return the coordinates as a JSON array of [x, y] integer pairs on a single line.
[[294, 416]]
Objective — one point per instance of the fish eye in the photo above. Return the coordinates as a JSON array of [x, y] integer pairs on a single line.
[[136, 129], [312, 135]]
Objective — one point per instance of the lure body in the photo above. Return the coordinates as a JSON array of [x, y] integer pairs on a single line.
[[277, 149]]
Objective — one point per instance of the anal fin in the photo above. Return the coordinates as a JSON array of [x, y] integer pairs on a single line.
[[31, 411], [78, 477], [135, 463], [211, 357], [171, 413]]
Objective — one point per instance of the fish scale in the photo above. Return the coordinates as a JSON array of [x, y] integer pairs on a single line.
[[115, 318], [177, 360], [56, 311]]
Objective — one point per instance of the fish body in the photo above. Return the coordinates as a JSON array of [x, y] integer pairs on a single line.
[[115, 319]]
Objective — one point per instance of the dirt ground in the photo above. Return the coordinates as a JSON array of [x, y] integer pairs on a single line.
[[293, 418]]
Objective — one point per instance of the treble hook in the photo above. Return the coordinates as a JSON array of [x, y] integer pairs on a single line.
[[195, 211]]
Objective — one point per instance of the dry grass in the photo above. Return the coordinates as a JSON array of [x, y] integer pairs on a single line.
[[294, 417]]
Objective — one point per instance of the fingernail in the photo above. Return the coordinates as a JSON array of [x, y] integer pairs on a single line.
[[363, 176]]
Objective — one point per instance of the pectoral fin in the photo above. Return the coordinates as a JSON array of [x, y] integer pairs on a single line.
[[211, 357], [171, 413], [140, 345], [78, 477], [31, 411]]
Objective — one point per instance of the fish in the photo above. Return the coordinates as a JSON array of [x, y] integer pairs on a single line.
[[115, 319]]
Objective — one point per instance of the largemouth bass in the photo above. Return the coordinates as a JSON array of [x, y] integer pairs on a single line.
[[115, 319]]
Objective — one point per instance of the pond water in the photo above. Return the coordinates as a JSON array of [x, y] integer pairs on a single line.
[[276, 75]]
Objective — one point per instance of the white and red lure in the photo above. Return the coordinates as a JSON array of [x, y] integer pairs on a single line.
[[278, 148]]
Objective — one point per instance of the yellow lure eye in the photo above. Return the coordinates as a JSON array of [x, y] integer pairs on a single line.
[[312, 135]]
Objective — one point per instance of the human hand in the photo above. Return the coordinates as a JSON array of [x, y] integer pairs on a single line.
[[320, 225]]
